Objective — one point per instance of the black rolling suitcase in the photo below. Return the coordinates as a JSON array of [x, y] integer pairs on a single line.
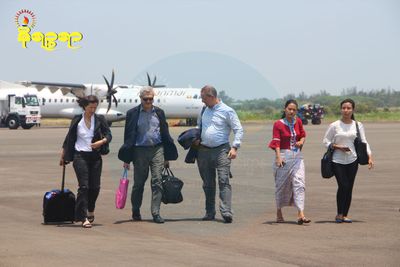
[[59, 205]]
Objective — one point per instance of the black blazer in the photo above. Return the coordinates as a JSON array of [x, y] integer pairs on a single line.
[[101, 130], [132, 117]]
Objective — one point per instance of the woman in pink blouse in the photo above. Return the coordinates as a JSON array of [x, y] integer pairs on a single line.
[[288, 137]]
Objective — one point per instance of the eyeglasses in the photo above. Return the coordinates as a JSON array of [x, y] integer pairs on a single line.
[[204, 96], [147, 99]]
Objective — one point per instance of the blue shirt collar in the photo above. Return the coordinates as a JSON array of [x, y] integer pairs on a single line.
[[152, 109]]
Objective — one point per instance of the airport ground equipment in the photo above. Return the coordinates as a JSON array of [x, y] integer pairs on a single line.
[[20, 110]]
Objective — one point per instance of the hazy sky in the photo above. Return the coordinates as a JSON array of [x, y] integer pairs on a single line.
[[247, 48]]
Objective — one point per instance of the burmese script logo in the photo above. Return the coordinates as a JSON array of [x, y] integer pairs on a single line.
[[26, 21]]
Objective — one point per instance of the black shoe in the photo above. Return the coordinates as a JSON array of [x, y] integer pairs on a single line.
[[227, 219], [136, 216], [208, 217], [158, 219]]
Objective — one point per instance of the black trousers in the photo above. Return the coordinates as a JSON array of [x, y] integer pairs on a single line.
[[87, 166], [345, 175]]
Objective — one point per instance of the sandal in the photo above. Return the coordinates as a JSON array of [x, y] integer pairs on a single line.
[[86, 224], [280, 220], [300, 221], [90, 218]]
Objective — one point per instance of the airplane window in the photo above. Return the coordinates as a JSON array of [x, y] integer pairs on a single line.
[[49, 100], [135, 100], [43, 100], [61, 100], [124, 100], [119, 100], [195, 96], [55, 100], [130, 100], [67, 100], [158, 101], [73, 100]]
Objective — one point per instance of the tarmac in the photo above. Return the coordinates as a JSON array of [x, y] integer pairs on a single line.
[[29, 168]]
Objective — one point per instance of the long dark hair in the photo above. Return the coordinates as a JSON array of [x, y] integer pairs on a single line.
[[290, 101], [353, 105], [85, 101]]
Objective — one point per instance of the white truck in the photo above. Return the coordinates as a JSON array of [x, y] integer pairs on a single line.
[[19, 110]]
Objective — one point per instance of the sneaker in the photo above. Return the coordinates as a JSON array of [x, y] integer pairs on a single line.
[[347, 220], [338, 219]]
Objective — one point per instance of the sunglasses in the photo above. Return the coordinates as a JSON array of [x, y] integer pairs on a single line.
[[204, 96], [147, 99]]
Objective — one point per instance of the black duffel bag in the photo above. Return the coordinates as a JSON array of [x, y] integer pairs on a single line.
[[172, 187], [326, 163]]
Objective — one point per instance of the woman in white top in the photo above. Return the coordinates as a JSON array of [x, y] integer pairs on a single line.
[[340, 136], [87, 139]]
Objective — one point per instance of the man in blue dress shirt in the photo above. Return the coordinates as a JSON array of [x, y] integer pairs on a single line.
[[148, 144], [215, 153]]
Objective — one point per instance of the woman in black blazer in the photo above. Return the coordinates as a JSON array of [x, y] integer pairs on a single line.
[[87, 139]]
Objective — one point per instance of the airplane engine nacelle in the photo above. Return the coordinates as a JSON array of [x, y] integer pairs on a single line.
[[111, 115]]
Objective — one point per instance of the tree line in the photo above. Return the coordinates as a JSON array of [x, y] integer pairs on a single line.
[[366, 101]]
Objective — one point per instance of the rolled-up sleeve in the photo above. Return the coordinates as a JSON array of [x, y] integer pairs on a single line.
[[236, 127]]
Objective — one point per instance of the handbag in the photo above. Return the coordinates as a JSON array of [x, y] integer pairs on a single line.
[[172, 187], [326, 164], [122, 190], [361, 148], [105, 148]]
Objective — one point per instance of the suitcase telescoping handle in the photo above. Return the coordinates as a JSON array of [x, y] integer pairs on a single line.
[[63, 179]]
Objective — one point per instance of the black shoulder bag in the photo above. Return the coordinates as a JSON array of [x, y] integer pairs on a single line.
[[326, 163], [361, 148]]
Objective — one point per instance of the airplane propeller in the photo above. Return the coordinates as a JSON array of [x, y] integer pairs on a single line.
[[153, 84], [110, 92]]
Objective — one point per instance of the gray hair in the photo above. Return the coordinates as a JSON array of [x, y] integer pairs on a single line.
[[146, 90], [210, 90]]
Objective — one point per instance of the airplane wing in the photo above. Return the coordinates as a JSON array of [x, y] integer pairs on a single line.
[[76, 89]]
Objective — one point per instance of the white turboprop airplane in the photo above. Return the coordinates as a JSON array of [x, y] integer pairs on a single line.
[[58, 100]]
